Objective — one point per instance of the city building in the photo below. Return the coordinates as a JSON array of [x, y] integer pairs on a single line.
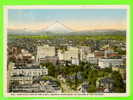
[[60, 55], [84, 51], [44, 51], [75, 61], [92, 60], [72, 52], [36, 88], [30, 71], [105, 63], [69, 54], [99, 54], [108, 52], [21, 79], [49, 59]]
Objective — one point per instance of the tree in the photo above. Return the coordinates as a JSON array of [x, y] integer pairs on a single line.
[[92, 89], [109, 70], [119, 86], [51, 69]]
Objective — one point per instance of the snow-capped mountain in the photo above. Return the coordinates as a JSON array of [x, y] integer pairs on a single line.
[[58, 28]]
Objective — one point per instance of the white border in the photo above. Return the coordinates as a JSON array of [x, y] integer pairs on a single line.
[[69, 7], [68, 94]]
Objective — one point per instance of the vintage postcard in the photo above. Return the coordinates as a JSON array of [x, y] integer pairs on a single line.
[[78, 51]]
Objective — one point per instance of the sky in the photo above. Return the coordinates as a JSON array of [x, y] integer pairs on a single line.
[[76, 19]]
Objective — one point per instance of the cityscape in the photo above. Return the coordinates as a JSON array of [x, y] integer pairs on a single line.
[[60, 59]]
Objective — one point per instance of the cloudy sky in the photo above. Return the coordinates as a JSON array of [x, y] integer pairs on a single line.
[[76, 19]]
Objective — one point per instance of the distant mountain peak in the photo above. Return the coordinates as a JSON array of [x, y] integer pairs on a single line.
[[58, 27]]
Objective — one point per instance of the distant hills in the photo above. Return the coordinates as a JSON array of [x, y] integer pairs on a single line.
[[59, 29], [101, 32], [88, 33]]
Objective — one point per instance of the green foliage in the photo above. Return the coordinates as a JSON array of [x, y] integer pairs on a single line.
[[92, 89], [51, 78], [51, 69], [88, 72], [109, 70], [77, 37], [119, 86], [119, 50]]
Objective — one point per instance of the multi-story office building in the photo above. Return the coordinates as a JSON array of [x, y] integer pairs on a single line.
[[104, 63], [44, 51], [84, 51], [30, 71], [71, 53]]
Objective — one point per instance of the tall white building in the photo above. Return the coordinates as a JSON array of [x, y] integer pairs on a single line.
[[84, 51], [71, 53], [60, 55], [75, 61], [105, 63], [43, 51]]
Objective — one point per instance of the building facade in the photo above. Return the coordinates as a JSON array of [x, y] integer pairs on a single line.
[[105, 63], [44, 51], [30, 71]]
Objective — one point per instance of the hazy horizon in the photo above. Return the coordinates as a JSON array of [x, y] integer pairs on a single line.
[[76, 19]]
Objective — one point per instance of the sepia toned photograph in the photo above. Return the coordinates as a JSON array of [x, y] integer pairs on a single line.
[[66, 50]]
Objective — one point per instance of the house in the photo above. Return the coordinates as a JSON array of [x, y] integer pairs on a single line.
[[83, 88], [114, 55], [99, 54], [106, 84], [52, 86]]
